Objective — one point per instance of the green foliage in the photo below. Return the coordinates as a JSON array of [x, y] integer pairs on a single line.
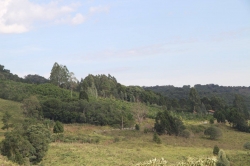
[[166, 123], [247, 145], [213, 132], [58, 128], [32, 108], [156, 138], [83, 95], [211, 120], [35, 79], [196, 128], [222, 159], [195, 99], [185, 133], [219, 115], [39, 137], [216, 150], [18, 91], [26, 143], [137, 127], [108, 87], [59, 75], [96, 111], [6, 120]]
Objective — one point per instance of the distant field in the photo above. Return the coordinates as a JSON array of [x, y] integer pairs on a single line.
[[129, 147]]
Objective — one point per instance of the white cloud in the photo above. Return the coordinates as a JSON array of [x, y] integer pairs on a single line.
[[18, 16], [98, 9], [78, 19]]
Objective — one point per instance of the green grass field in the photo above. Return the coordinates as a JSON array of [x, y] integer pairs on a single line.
[[128, 147]]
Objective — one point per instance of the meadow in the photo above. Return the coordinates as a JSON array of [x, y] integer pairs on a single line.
[[129, 147]]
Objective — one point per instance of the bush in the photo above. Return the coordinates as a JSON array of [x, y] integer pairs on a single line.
[[247, 145], [216, 150], [137, 127], [197, 128], [185, 134], [58, 128], [211, 120], [156, 138], [146, 130], [213, 132]]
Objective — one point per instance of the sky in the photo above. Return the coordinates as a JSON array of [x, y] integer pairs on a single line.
[[139, 42]]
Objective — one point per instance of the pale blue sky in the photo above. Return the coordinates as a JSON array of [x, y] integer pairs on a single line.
[[140, 42]]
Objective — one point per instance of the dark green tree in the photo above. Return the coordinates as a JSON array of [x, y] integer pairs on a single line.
[[27, 143], [195, 100], [219, 115], [137, 127], [58, 128], [216, 150], [167, 124], [39, 137], [83, 95], [156, 138]]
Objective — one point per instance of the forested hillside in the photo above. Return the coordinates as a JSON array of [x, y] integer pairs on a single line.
[[226, 93]]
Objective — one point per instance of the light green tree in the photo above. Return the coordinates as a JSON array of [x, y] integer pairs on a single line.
[[72, 82], [59, 75]]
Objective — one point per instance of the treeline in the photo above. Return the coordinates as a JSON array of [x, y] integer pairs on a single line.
[[108, 87], [5, 74], [97, 112], [18, 91], [225, 93]]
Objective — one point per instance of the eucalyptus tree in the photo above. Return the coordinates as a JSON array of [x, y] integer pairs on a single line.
[[59, 75]]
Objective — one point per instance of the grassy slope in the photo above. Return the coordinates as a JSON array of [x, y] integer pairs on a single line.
[[134, 147]]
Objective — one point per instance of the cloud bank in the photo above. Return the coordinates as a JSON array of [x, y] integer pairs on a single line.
[[19, 16]]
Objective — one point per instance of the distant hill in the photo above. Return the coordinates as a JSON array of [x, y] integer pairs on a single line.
[[227, 93]]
